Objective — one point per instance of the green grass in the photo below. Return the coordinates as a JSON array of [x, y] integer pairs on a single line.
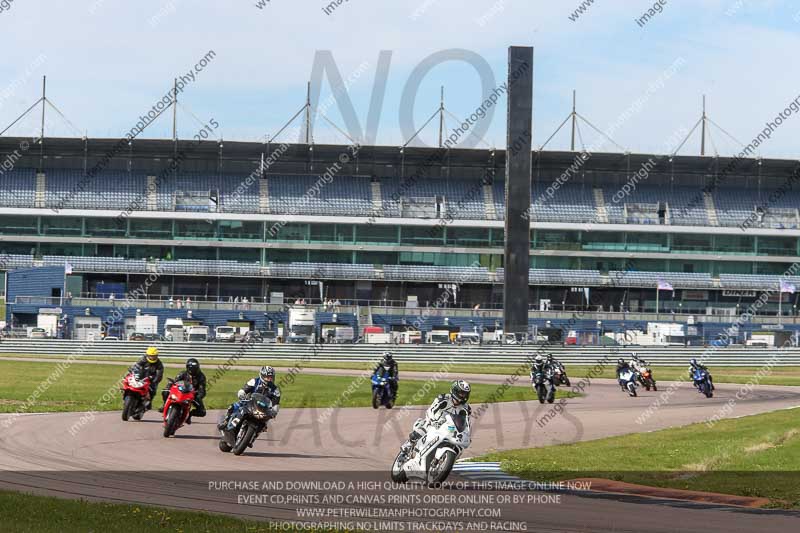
[[751, 456], [26, 513], [789, 375], [82, 386]]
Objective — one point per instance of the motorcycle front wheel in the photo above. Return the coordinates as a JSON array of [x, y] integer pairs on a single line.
[[440, 468], [171, 423], [244, 439], [540, 393], [632, 391], [398, 474], [224, 446], [376, 401], [128, 406]]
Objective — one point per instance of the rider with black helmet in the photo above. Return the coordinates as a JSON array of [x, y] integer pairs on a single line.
[[198, 381], [388, 368], [455, 403]]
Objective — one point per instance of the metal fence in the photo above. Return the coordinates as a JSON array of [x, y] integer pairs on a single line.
[[434, 354]]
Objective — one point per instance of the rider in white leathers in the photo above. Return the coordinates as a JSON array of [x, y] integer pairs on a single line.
[[454, 403]]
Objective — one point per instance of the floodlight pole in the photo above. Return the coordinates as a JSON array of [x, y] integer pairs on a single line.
[[308, 113], [441, 116], [41, 131], [703, 129], [175, 119], [574, 118]]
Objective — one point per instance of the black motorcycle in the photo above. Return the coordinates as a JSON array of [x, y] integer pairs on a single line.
[[243, 426], [560, 375], [540, 378]]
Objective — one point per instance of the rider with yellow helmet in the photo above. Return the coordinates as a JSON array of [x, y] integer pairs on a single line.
[[150, 365]]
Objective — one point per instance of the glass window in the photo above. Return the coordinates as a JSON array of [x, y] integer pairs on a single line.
[[151, 228], [16, 225], [195, 229], [467, 236], [240, 230], [371, 233], [105, 227], [62, 225]]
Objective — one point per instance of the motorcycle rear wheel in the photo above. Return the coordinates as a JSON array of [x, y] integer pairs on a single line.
[[398, 474], [244, 441], [439, 470]]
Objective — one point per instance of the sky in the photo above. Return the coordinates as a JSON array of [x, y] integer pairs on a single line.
[[108, 62]]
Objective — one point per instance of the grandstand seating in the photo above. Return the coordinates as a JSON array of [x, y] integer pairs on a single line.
[[456, 198]]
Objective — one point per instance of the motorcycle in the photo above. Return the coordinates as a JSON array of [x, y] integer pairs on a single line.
[[560, 375], [244, 425], [628, 381], [433, 455], [135, 394], [646, 378], [703, 382], [178, 406], [539, 379], [382, 392]]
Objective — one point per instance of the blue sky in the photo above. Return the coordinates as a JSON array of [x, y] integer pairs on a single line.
[[108, 61]]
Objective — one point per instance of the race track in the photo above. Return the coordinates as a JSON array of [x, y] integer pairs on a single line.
[[108, 459]]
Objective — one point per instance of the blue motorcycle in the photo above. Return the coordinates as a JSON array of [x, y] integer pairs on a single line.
[[382, 392], [703, 382]]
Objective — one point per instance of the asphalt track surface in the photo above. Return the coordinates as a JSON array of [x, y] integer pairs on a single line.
[[106, 459]]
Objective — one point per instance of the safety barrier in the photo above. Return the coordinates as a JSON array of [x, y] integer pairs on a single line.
[[480, 355]]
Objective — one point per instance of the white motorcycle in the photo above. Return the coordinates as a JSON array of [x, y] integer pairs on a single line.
[[433, 455], [629, 381]]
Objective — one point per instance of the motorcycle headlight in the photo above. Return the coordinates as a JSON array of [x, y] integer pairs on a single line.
[[173, 397]]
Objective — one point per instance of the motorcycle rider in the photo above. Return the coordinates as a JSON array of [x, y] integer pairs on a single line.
[[694, 365], [454, 403], [263, 384], [388, 368], [622, 366], [150, 366], [195, 376]]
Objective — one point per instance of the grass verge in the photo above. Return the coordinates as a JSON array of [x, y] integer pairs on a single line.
[[26, 513], [751, 456], [786, 375], [82, 387]]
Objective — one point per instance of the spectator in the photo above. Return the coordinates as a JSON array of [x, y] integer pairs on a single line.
[[179, 303], [336, 305], [244, 303], [171, 303], [111, 298], [188, 302]]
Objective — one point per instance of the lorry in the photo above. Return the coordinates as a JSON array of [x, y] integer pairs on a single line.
[[301, 325], [224, 334], [197, 334], [173, 330], [146, 324], [438, 336]]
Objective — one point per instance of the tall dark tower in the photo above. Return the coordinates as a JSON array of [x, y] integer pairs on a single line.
[[518, 188]]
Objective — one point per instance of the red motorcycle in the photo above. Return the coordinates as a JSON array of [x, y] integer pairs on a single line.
[[178, 406], [135, 393]]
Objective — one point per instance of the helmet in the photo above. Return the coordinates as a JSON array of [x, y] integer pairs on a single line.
[[460, 392], [152, 354], [388, 358], [549, 357], [192, 366], [693, 362], [267, 373], [635, 356], [538, 360], [620, 361]]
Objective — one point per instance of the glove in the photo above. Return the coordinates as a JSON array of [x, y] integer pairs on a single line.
[[242, 395]]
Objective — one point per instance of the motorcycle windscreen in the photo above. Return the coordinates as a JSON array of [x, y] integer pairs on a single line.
[[460, 421]]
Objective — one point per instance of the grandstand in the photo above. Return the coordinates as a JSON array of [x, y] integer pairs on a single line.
[[397, 226]]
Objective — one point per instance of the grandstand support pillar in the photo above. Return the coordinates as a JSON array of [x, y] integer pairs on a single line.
[[518, 188]]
